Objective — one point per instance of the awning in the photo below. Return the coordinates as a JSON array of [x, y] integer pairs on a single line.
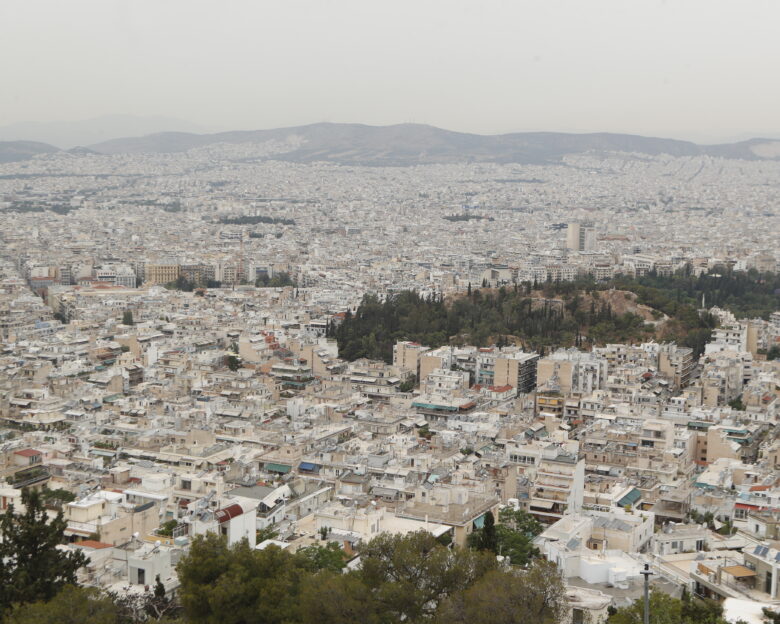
[[629, 499], [378, 490], [152, 495], [103, 453], [542, 504], [308, 466], [282, 468], [228, 513], [739, 571]]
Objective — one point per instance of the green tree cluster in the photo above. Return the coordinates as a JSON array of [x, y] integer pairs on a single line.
[[57, 497], [665, 609], [408, 384], [89, 605], [746, 293], [512, 538], [279, 280], [32, 567], [71, 605], [181, 283], [477, 319], [233, 362], [737, 404], [166, 528], [466, 217], [328, 557], [410, 579]]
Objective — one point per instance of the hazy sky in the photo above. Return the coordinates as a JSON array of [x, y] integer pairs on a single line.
[[697, 69]]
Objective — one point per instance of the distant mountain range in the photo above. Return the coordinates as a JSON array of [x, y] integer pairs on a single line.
[[68, 134], [412, 144], [11, 151]]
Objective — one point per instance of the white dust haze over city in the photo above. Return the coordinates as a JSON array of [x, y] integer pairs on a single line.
[[389, 312], [700, 70]]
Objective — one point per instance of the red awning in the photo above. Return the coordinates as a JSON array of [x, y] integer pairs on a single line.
[[229, 512]]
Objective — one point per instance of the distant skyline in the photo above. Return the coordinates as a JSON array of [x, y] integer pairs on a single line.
[[700, 70]]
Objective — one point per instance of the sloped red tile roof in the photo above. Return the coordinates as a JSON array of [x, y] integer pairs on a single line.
[[27, 453]]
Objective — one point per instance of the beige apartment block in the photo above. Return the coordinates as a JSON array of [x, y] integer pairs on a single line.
[[406, 356], [161, 273], [517, 370]]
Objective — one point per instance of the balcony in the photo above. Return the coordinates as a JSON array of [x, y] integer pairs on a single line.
[[553, 485], [548, 495], [541, 471], [29, 477]]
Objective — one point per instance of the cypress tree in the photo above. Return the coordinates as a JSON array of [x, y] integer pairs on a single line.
[[489, 538]]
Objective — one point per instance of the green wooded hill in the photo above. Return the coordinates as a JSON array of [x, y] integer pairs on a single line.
[[747, 294], [561, 314]]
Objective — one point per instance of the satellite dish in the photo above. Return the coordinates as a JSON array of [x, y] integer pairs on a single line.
[[136, 535], [158, 543]]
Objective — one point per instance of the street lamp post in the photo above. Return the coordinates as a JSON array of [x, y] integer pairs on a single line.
[[646, 573]]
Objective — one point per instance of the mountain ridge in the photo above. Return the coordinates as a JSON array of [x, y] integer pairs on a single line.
[[12, 151], [68, 134], [412, 144]]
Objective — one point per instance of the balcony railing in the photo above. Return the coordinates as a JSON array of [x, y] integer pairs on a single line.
[[29, 477]]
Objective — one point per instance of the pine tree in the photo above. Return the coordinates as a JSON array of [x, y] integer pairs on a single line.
[[32, 567], [127, 317], [232, 362]]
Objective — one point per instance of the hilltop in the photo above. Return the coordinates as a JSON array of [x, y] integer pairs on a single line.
[[11, 151], [557, 314]]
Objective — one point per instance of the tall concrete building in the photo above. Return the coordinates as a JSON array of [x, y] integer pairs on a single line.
[[575, 372], [559, 486], [580, 236], [516, 369], [677, 363]]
